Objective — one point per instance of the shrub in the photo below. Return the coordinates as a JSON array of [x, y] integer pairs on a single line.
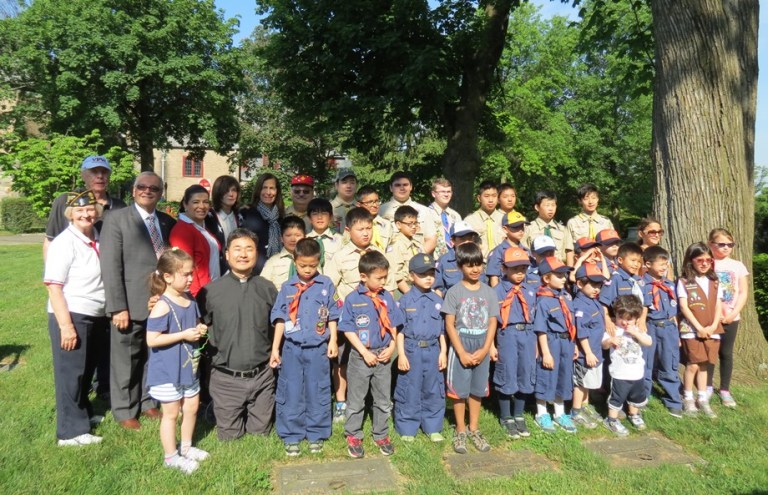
[[760, 269], [18, 216]]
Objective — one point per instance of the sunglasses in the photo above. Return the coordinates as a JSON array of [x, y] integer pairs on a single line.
[[144, 187], [722, 245], [654, 232], [702, 261]]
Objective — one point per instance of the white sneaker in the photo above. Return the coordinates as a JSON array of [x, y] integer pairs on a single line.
[[183, 464], [84, 439], [196, 454]]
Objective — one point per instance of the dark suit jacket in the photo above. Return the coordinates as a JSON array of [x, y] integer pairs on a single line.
[[128, 259]]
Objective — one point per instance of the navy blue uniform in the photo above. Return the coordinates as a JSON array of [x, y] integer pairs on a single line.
[[420, 391], [496, 258], [360, 316], [515, 370], [550, 320], [448, 273], [620, 284], [590, 325], [666, 341], [304, 384]]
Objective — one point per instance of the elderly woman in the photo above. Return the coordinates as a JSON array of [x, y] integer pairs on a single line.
[[263, 217], [223, 217], [190, 235], [77, 321]]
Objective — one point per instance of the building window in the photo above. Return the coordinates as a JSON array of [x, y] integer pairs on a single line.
[[193, 167]]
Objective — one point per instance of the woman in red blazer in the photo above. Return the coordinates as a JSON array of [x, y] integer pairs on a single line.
[[190, 235]]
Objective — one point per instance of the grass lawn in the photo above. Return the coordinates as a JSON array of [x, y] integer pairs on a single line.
[[733, 446]]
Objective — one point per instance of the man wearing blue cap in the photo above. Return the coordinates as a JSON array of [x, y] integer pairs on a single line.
[[95, 171]]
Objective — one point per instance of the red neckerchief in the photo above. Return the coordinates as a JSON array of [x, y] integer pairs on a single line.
[[506, 305]]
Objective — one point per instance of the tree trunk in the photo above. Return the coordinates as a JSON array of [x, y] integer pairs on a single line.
[[703, 137], [146, 154], [461, 160]]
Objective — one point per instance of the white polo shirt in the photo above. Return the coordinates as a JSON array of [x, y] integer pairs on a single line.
[[73, 262]]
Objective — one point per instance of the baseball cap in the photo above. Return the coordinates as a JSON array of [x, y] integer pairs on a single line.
[[607, 236], [302, 180], [591, 272], [586, 243], [461, 228], [542, 244], [95, 161], [551, 264], [515, 256], [421, 263], [512, 219], [343, 173]]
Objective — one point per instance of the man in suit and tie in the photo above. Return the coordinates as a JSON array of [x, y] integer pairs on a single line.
[[132, 239]]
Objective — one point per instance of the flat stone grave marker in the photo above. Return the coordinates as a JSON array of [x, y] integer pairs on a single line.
[[354, 476], [641, 451], [496, 464]]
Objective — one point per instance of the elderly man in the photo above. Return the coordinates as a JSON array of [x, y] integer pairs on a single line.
[[236, 308], [132, 240], [401, 186], [302, 192], [95, 171]]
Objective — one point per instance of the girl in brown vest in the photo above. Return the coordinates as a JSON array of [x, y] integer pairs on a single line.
[[700, 299]]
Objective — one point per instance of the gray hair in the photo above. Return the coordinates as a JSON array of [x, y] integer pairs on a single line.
[[148, 174]]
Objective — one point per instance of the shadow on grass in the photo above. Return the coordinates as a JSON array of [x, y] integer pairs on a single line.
[[10, 355]]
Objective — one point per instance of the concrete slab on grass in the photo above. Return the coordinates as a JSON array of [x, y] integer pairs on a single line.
[[354, 476], [496, 464], [641, 451]]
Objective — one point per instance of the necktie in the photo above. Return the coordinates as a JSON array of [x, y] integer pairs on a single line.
[[322, 249], [489, 240], [446, 228], [381, 309], [591, 227], [548, 231], [506, 305], [293, 308], [658, 284], [546, 292], [154, 235], [376, 237], [292, 270], [637, 291]]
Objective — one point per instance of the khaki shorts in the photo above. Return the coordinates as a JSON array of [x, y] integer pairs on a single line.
[[700, 351]]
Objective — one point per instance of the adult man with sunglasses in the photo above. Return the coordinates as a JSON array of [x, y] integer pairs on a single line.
[[302, 192], [132, 240]]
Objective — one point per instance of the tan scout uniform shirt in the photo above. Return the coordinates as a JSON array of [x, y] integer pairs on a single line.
[[277, 268], [426, 228], [558, 232], [434, 215], [478, 220], [399, 254], [578, 226], [343, 269], [332, 243], [303, 215], [340, 210]]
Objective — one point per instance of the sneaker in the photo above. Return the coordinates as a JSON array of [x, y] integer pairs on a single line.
[[385, 446], [592, 413], [510, 427], [339, 412], [522, 428], [616, 427], [675, 412], [80, 440], [564, 422], [407, 438], [727, 399], [98, 419], [637, 421], [582, 418], [707, 409], [460, 442], [479, 441], [316, 447], [292, 449], [355, 447], [689, 407], [545, 422], [183, 464], [195, 454], [436, 437]]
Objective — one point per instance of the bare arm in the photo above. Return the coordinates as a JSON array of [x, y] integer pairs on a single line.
[[63, 318]]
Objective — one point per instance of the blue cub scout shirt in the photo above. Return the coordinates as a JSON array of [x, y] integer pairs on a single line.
[[516, 315], [590, 324], [549, 316], [619, 285], [318, 305], [421, 315], [668, 306], [360, 316]]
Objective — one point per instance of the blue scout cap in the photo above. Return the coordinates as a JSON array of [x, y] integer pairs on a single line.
[[421, 263]]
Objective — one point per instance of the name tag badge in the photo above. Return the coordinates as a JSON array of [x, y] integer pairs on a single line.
[[291, 327]]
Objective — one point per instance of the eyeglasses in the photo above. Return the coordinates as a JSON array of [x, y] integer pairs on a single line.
[[410, 224], [144, 187], [654, 232], [300, 192], [702, 261], [374, 202], [722, 245]]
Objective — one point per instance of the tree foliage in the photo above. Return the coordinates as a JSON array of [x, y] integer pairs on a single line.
[[42, 169], [141, 72]]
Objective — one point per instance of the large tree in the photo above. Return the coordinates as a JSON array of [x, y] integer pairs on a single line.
[[704, 133], [142, 73], [392, 67]]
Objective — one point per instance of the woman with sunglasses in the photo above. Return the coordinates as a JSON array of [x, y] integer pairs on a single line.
[[649, 234], [733, 279]]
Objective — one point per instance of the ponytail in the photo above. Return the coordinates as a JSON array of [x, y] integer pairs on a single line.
[[171, 261]]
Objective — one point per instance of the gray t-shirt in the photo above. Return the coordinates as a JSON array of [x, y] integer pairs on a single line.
[[472, 308]]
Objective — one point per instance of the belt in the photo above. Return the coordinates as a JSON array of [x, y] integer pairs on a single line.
[[560, 335], [242, 374], [521, 326], [423, 343], [661, 323], [473, 331]]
